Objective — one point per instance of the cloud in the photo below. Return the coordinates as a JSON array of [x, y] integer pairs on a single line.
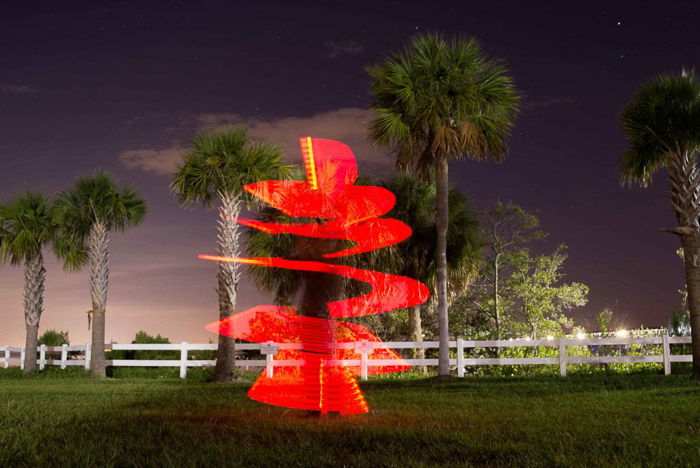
[[18, 89], [337, 48], [158, 161], [345, 124]]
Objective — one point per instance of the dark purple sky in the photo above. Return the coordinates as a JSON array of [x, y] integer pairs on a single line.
[[123, 85]]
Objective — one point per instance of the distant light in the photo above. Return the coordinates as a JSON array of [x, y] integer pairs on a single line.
[[527, 338], [550, 337], [580, 335], [622, 333]]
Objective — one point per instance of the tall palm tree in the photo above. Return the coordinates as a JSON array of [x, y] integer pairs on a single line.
[[214, 172], [85, 216], [436, 101], [662, 127], [25, 228]]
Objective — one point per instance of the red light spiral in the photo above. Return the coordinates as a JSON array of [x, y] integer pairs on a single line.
[[314, 378]]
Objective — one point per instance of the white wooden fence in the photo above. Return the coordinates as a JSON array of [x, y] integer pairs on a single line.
[[48, 355]]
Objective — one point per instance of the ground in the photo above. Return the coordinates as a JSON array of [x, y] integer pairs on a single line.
[[610, 420]]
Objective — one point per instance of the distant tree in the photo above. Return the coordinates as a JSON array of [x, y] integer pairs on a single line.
[[604, 320], [85, 215], [662, 126], [516, 293], [539, 301], [679, 323], [54, 338], [214, 172], [26, 227], [504, 231], [436, 101]]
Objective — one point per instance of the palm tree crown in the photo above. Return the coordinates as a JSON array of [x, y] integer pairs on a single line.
[[223, 162], [25, 227], [95, 199], [440, 98], [663, 119]]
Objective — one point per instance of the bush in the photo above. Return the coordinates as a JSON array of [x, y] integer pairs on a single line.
[[54, 338]]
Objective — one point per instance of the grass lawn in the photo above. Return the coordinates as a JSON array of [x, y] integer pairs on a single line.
[[617, 420]]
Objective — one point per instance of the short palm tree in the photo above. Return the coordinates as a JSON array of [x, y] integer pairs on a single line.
[[214, 171], [85, 216], [436, 101], [25, 228], [662, 127], [415, 257]]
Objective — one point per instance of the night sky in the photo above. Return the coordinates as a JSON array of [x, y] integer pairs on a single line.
[[124, 85]]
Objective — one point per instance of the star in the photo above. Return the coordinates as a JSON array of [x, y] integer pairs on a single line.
[[619, 24]]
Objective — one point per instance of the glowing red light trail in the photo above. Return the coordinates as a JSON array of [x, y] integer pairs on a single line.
[[349, 212]]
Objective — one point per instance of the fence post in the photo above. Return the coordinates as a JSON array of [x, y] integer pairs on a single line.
[[64, 355], [269, 349], [460, 357], [183, 360], [667, 353], [363, 365], [562, 356], [21, 358], [42, 357], [363, 348], [88, 350], [7, 357], [269, 365]]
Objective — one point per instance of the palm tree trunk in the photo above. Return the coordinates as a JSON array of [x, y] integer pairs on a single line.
[[34, 277], [98, 258], [227, 275], [415, 328], [684, 181], [691, 251], [441, 220]]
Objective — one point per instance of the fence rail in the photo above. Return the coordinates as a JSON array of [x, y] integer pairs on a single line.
[[48, 355]]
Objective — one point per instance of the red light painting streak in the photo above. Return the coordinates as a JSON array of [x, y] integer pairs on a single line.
[[316, 380]]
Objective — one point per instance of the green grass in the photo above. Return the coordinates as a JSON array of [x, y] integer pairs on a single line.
[[609, 420]]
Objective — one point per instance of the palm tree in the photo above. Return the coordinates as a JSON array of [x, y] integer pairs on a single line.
[[25, 227], [436, 101], [662, 127], [214, 171], [85, 215]]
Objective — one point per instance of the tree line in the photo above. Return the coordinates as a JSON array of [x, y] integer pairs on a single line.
[[435, 100]]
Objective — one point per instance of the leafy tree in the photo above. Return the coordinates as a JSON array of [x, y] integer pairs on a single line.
[[54, 338], [516, 293], [662, 126], [435, 101], [86, 215], [539, 302], [26, 227], [504, 230], [214, 172]]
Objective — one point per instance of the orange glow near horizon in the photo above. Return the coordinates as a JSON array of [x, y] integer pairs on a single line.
[[349, 212]]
